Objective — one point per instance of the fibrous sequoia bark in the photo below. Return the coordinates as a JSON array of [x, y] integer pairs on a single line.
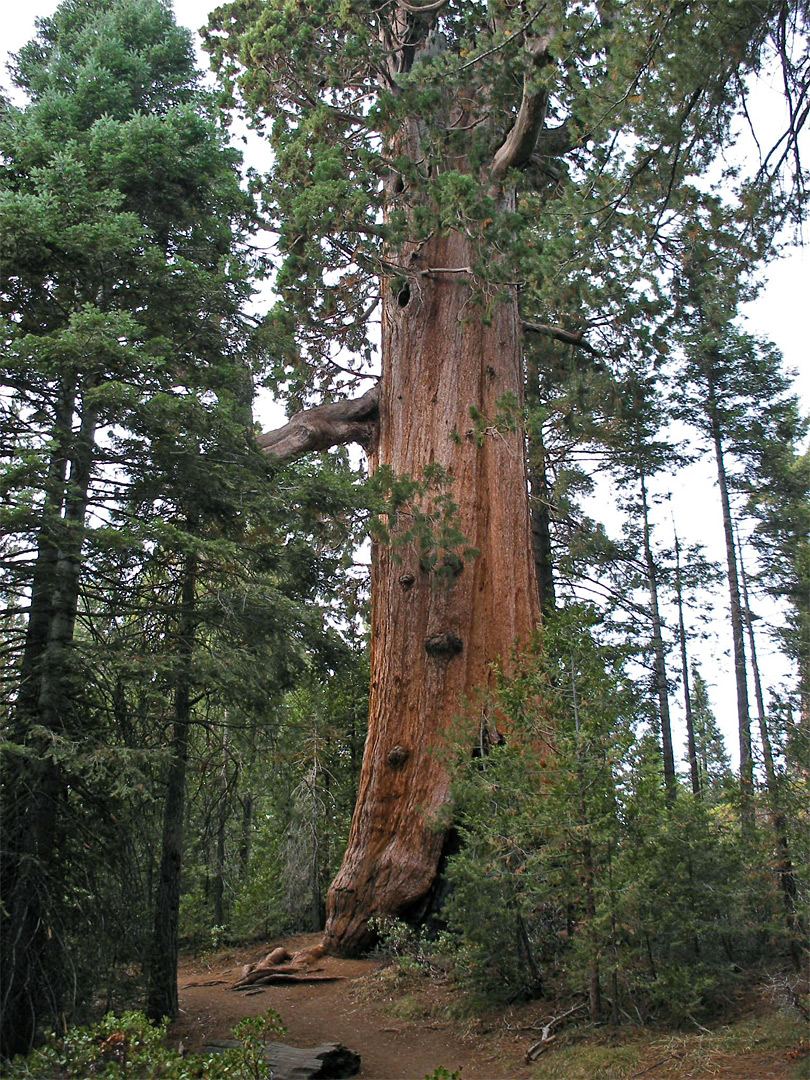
[[442, 359], [451, 358], [398, 131], [432, 646]]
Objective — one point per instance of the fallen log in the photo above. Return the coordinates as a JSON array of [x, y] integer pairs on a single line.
[[279, 978], [257, 973], [330, 1062]]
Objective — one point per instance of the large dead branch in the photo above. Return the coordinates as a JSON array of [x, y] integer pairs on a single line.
[[546, 1038], [568, 337], [335, 424], [517, 148]]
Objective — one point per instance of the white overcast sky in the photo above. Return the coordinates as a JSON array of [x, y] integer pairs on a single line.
[[781, 313]]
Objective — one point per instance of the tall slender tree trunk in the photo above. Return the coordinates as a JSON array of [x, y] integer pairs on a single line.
[[540, 502], [588, 870], [743, 715], [222, 828], [34, 985], [659, 659], [784, 863], [37, 630], [162, 963], [691, 745], [245, 847], [432, 646]]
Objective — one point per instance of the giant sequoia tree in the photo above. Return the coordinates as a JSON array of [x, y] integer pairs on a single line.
[[439, 162]]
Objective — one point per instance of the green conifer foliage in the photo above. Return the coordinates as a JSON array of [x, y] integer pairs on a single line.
[[714, 764], [124, 266], [581, 875], [464, 165]]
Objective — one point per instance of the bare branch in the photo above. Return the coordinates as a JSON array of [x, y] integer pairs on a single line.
[[335, 424], [568, 337], [517, 148]]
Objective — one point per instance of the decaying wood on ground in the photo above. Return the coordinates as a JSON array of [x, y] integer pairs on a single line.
[[332, 1061]]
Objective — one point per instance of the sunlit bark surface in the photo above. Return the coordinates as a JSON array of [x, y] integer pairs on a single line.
[[433, 646]]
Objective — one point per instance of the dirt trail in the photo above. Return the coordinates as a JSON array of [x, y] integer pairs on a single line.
[[402, 1027], [391, 1048]]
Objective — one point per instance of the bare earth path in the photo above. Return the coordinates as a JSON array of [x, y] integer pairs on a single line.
[[403, 1028], [390, 1048]]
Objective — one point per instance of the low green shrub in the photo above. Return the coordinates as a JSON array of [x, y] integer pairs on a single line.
[[129, 1047]]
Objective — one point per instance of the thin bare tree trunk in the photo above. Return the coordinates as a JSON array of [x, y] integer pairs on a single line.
[[743, 716], [222, 824], [659, 660], [691, 745]]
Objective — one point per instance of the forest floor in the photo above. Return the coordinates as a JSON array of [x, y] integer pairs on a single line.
[[406, 1024]]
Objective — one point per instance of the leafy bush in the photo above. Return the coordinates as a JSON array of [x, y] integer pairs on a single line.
[[129, 1047], [576, 867]]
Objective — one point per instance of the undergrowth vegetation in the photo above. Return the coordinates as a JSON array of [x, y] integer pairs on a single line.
[[764, 1026], [190, 669], [577, 877], [129, 1046], [578, 873]]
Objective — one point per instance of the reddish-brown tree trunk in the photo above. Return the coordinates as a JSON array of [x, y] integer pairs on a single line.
[[432, 647]]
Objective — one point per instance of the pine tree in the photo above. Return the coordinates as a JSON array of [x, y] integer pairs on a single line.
[[714, 765], [779, 500], [734, 390], [124, 267]]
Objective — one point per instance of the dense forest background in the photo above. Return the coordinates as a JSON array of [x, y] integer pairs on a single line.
[[185, 618]]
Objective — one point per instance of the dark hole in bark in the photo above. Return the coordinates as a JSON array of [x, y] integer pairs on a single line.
[[444, 644], [488, 739], [397, 756], [406, 582], [404, 295], [427, 911]]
